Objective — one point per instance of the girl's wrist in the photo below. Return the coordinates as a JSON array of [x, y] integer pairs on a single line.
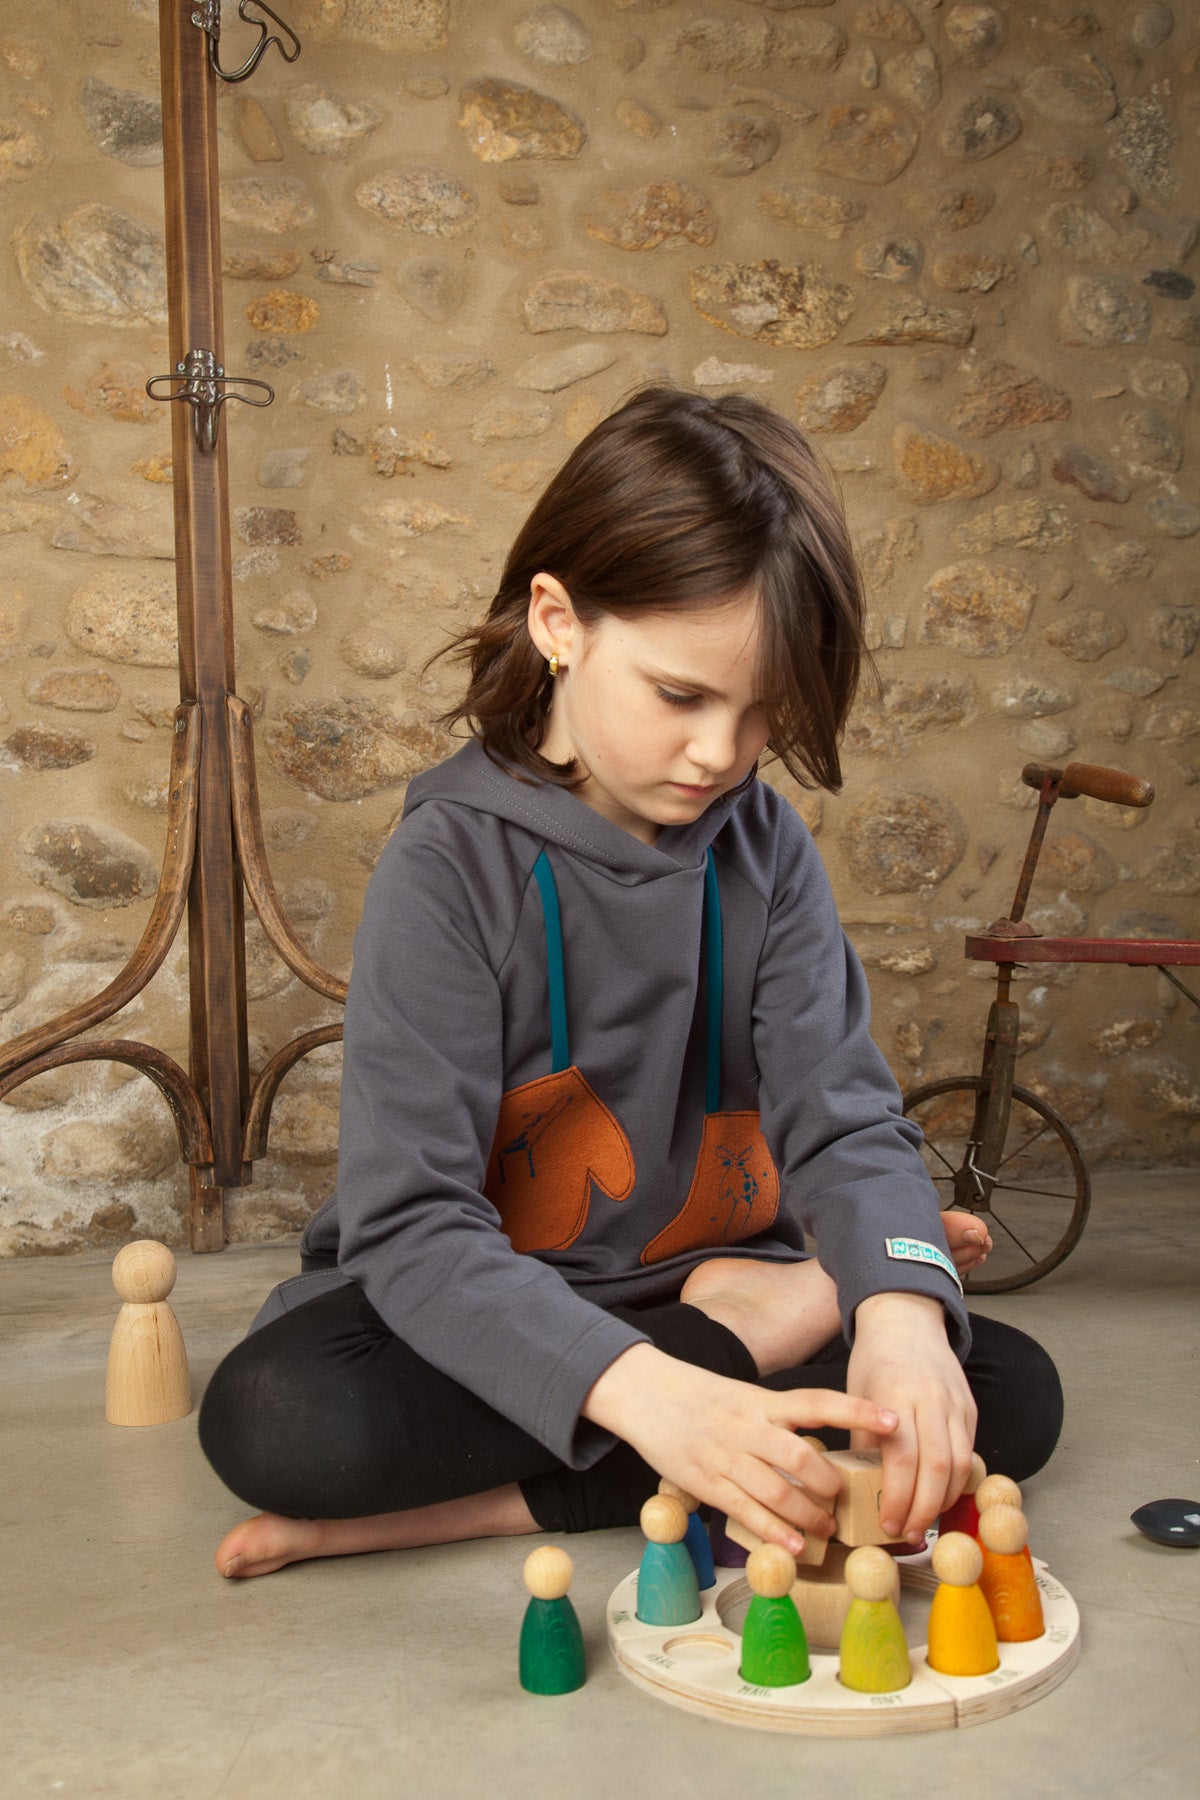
[[884, 1311], [626, 1383]]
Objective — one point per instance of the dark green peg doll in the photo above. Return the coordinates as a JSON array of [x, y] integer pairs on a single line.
[[552, 1658]]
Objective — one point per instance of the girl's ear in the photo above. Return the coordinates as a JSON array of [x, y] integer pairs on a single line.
[[553, 624]]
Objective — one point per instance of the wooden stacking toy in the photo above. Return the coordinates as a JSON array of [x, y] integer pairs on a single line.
[[551, 1659], [774, 1647], [1007, 1578], [962, 1637], [873, 1651], [815, 1547], [668, 1592], [856, 1510], [147, 1378], [736, 1657], [705, 1667]]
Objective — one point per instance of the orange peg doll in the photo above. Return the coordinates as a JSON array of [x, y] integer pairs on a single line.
[[998, 1490], [962, 1637], [1007, 1579]]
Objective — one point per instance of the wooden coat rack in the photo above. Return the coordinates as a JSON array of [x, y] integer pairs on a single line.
[[214, 847]]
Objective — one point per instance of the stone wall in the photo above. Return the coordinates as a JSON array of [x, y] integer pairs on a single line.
[[951, 240]]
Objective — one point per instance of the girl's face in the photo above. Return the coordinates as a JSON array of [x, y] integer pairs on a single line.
[[662, 712]]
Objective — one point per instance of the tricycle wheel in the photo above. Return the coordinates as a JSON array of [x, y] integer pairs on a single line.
[[1035, 1203]]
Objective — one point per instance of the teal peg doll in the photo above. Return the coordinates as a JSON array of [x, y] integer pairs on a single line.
[[667, 1590]]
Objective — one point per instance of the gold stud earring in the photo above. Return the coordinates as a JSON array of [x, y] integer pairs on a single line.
[[553, 666]]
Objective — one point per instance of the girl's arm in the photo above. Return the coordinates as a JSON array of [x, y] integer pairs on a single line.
[[850, 1166], [902, 1357]]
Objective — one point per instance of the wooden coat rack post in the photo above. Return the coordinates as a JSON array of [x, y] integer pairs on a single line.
[[214, 846]]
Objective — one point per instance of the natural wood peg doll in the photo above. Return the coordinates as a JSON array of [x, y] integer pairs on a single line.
[[147, 1378]]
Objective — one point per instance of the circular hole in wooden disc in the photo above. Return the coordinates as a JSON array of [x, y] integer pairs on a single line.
[[702, 1647]]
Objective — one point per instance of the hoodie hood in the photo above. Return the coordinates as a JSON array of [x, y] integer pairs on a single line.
[[471, 778]]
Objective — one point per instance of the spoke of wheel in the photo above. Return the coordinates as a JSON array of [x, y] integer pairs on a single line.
[[1016, 1187], [1004, 1226], [930, 1145], [1041, 1131]]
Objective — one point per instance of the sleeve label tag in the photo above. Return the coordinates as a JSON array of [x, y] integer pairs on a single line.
[[913, 1250]]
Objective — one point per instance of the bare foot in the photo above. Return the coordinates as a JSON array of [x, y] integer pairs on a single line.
[[268, 1542], [261, 1545], [782, 1312]]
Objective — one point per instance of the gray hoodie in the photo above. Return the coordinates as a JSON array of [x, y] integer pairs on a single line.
[[709, 1087]]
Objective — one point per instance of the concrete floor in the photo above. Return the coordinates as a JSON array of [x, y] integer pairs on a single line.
[[131, 1668]]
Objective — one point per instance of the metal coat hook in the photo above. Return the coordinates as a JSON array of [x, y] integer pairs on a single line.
[[203, 379], [208, 18]]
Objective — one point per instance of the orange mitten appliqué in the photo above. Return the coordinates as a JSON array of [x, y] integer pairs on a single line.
[[734, 1193], [553, 1139]]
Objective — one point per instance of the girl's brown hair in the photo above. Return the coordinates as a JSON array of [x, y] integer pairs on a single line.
[[680, 500]]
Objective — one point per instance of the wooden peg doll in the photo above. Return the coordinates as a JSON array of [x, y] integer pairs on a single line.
[[551, 1659], [696, 1537], [874, 1654], [1007, 1578], [964, 1514], [999, 1490], [667, 1590], [774, 1647], [727, 1553], [147, 1377], [962, 1637]]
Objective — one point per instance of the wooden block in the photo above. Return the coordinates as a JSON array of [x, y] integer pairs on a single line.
[[857, 1507], [812, 1555], [738, 1534], [823, 1595]]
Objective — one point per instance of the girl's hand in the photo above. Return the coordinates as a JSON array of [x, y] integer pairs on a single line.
[[902, 1358], [730, 1443], [969, 1240]]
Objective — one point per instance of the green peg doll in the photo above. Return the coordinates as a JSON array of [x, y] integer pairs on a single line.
[[774, 1647], [551, 1657]]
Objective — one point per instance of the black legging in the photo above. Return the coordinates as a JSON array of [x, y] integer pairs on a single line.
[[325, 1414]]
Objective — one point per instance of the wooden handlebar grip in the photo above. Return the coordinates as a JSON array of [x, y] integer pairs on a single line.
[[1113, 785], [1105, 784]]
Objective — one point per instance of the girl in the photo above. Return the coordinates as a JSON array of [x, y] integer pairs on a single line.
[[607, 1062]]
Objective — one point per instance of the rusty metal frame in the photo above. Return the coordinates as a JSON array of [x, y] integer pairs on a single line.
[[214, 849]]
